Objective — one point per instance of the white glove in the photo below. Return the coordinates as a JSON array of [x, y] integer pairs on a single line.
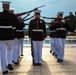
[[69, 33], [30, 39], [75, 31]]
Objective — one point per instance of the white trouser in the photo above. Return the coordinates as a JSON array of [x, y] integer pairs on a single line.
[[61, 45], [56, 45], [53, 44], [51, 47], [37, 47], [16, 50], [21, 46], [6, 48], [10, 50]]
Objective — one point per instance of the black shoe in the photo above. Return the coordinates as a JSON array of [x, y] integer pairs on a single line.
[[22, 55], [61, 60], [12, 61], [16, 63], [50, 51], [19, 57], [10, 67], [58, 60], [53, 53], [39, 64], [5, 72]]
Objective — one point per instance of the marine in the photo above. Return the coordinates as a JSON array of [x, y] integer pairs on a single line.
[[37, 33], [7, 21]]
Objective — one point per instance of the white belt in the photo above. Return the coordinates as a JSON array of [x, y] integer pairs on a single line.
[[13, 27], [40, 30], [60, 29], [20, 30], [53, 31], [5, 26]]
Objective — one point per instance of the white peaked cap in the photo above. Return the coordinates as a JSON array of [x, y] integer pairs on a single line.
[[5, 2], [60, 13], [37, 11]]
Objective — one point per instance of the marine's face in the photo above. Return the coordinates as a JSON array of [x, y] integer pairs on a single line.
[[60, 16], [37, 15], [5, 7]]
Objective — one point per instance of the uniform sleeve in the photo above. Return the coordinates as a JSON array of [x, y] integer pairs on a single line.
[[16, 22], [44, 29], [68, 27], [30, 29], [22, 25]]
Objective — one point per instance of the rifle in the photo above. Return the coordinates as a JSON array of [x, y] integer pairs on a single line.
[[47, 17], [20, 14], [65, 18], [28, 18]]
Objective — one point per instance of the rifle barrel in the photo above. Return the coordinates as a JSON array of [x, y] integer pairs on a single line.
[[41, 6], [19, 14], [26, 16], [48, 17]]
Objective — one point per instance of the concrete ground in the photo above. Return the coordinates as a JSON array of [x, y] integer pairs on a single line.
[[50, 66]]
